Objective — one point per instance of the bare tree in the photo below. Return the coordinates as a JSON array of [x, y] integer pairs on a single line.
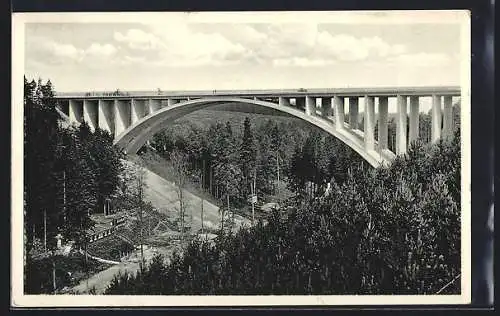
[[138, 195], [179, 167]]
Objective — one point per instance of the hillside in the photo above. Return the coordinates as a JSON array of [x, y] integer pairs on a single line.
[[161, 192]]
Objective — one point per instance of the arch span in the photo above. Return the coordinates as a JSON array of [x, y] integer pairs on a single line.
[[136, 135]]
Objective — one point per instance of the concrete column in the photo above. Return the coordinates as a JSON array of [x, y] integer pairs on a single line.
[[383, 106], [282, 101], [300, 103], [106, 116], [326, 107], [369, 122], [414, 119], [436, 118], [402, 104], [75, 111], [447, 117], [138, 108], [90, 113], [171, 101], [353, 112], [310, 105], [339, 111], [122, 116], [154, 105]]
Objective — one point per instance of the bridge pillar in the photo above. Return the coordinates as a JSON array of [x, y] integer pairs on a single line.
[[122, 116], [171, 101], [447, 117], [138, 108], [383, 105], [339, 111], [326, 107], [436, 118], [90, 113], [154, 105], [369, 122], [106, 115], [401, 125], [414, 119], [310, 105], [353, 112], [282, 101], [75, 111]]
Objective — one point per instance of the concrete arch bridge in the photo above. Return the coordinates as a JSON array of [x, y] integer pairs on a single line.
[[134, 117]]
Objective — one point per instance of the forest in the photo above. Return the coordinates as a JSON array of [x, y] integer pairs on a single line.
[[69, 172], [392, 230]]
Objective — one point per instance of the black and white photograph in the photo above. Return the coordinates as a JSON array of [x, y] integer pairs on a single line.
[[241, 158]]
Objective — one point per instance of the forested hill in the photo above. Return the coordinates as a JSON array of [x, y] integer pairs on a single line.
[[391, 230]]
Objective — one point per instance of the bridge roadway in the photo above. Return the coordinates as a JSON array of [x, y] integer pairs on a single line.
[[133, 117], [269, 93]]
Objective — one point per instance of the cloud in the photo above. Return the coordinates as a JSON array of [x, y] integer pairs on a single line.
[[96, 49], [181, 46], [302, 62], [423, 59], [138, 39]]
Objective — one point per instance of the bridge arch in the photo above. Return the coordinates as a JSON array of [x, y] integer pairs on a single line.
[[136, 135]]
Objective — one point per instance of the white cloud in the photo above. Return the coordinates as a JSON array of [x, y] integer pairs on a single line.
[[138, 39], [181, 46], [96, 49], [423, 59], [302, 62]]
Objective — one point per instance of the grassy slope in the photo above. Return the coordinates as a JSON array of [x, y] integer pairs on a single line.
[[163, 195]]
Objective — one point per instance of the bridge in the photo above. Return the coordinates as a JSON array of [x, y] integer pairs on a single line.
[[134, 117]]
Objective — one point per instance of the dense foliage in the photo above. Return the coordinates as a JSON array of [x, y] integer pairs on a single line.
[[228, 160], [69, 172], [40, 272], [392, 230]]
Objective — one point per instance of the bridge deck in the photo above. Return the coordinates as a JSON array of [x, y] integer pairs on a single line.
[[346, 92]]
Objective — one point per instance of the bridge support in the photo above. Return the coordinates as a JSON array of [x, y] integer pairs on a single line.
[[369, 122], [171, 101], [436, 118], [138, 108], [383, 105], [282, 101], [414, 119], [339, 112], [154, 105], [353, 112], [122, 116], [401, 126], [448, 117], [310, 105], [90, 113], [106, 116], [75, 111]]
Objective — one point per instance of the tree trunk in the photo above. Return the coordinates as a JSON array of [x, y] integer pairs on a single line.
[[54, 285]]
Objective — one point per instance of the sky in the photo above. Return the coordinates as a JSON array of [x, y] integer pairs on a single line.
[[182, 54]]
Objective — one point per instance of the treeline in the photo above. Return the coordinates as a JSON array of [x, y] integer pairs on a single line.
[[68, 174], [392, 230], [228, 160]]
